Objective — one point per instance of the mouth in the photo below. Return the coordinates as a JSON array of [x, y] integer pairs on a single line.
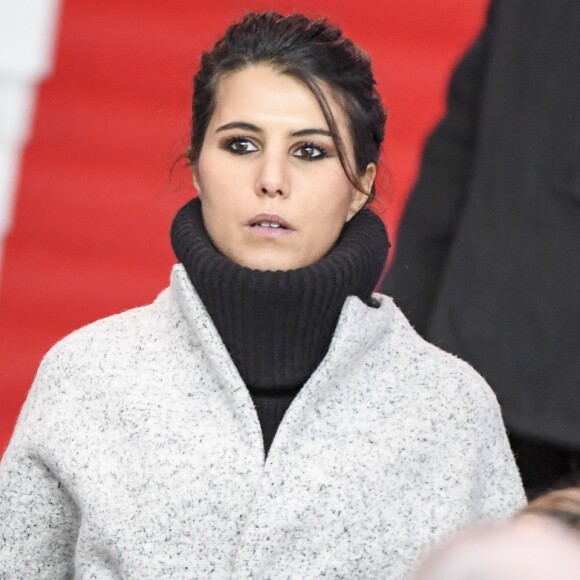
[[268, 225]]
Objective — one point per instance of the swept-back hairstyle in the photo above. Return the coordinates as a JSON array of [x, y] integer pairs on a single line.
[[318, 55]]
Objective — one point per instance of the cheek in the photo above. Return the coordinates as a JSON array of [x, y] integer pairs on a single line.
[[330, 199], [214, 177], [327, 219], [208, 179]]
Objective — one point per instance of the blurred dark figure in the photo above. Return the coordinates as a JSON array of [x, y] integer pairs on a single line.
[[487, 264]]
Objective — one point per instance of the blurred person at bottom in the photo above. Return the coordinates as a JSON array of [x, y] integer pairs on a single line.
[[527, 548], [487, 260], [268, 416], [562, 505]]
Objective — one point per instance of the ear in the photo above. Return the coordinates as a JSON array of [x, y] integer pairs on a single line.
[[195, 175], [358, 197]]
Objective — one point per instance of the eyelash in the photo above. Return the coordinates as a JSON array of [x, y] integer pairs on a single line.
[[236, 140], [230, 143], [323, 151]]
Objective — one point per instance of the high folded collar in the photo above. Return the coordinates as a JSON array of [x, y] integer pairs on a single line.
[[277, 326]]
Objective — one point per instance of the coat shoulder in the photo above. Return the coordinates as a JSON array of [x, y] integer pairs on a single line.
[[114, 337], [423, 364]]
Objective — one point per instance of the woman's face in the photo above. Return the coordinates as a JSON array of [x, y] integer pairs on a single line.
[[274, 194]]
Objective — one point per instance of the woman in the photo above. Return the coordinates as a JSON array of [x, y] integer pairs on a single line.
[[267, 416]]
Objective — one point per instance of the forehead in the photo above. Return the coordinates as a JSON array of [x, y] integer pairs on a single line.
[[262, 95]]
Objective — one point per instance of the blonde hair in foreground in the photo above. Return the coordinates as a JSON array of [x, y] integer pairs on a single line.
[[562, 505]]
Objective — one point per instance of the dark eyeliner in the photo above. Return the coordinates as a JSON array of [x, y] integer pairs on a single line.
[[323, 151], [228, 143]]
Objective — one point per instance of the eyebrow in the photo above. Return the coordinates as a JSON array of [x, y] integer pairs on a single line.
[[239, 125], [306, 132], [254, 128]]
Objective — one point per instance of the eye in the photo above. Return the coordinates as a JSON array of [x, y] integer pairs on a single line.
[[240, 146], [310, 152]]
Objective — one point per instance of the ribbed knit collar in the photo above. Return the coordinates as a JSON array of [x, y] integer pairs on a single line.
[[277, 326]]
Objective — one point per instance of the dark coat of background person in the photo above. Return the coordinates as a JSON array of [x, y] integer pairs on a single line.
[[487, 263]]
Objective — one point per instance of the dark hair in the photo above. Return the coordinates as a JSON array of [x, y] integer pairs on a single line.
[[312, 51]]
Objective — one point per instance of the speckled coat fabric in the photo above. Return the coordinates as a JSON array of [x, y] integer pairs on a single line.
[[138, 455]]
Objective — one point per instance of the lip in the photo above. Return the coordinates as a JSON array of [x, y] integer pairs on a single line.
[[269, 217], [267, 232]]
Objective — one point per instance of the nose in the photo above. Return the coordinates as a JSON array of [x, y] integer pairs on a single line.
[[272, 177]]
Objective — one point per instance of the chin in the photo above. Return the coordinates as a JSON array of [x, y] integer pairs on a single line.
[[271, 263], [270, 266]]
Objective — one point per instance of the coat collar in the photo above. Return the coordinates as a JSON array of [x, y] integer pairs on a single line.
[[358, 328]]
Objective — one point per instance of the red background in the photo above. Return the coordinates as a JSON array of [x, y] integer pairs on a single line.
[[97, 191]]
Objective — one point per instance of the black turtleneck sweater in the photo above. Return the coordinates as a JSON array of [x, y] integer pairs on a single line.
[[277, 326]]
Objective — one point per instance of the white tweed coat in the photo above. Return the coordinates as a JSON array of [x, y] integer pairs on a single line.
[[138, 455]]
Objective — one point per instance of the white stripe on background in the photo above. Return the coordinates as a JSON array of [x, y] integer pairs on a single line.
[[27, 31]]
